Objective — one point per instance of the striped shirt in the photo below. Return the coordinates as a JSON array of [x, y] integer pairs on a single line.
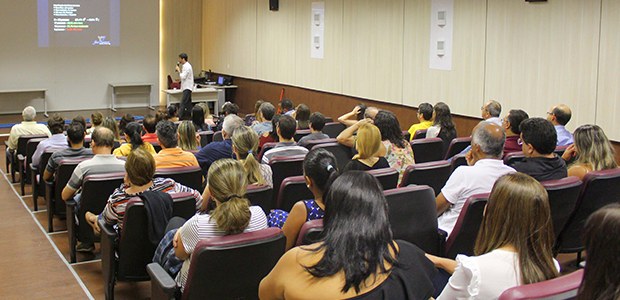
[[68, 153], [284, 149], [201, 226], [99, 164], [174, 157], [114, 210]]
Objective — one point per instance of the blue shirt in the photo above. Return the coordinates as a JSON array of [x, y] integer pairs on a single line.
[[565, 138], [263, 127], [212, 152]]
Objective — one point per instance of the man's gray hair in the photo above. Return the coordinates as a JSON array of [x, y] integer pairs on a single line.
[[29, 113], [231, 123], [494, 108], [489, 143]]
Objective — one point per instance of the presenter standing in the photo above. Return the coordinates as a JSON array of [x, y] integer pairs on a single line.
[[187, 84]]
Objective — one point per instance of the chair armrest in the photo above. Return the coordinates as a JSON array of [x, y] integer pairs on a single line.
[[71, 210], [108, 251], [162, 285], [34, 168], [443, 237], [21, 157]]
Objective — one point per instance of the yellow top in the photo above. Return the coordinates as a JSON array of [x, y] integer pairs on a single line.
[[125, 149], [419, 126]]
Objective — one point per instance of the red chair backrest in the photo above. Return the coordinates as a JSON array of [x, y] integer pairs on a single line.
[[563, 287], [457, 161], [292, 189], [283, 167], [465, 232], [426, 150], [563, 194], [457, 145], [310, 232], [266, 147], [187, 176], [513, 157], [333, 129], [261, 195], [434, 174], [310, 144], [206, 137], [301, 133], [387, 177], [342, 153], [218, 136], [420, 134]]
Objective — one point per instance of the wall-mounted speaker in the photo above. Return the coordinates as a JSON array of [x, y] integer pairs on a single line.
[[274, 5]]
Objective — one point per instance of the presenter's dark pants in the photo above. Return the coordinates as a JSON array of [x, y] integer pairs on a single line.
[[185, 110]]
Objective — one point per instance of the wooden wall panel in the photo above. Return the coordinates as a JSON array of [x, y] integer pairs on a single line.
[[540, 54], [462, 87], [608, 104], [372, 58]]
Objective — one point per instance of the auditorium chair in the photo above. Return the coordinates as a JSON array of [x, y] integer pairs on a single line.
[[434, 174], [329, 120], [156, 146], [206, 137], [22, 143], [125, 258], [457, 145], [426, 150], [172, 84], [53, 190], [563, 194], [465, 232], [599, 189], [25, 161], [301, 133], [96, 189], [342, 153], [190, 176], [511, 158], [36, 177], [420, 134], [218, 136], [310, 233], [225, 267], [333, 129], [559, 150], [292, 189], [457, 161], [266, 147], [413, 217], [261, 195], [387, 177], [559, 288], [406, 135], [283, 167], [310, 144]]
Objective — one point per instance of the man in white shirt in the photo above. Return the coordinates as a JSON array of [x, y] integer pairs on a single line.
[[27, 127], [187, 85], [491, 111], [484, 167]]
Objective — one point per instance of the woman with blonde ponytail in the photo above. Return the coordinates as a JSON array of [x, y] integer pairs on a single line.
[[226, 186], [245, 147]]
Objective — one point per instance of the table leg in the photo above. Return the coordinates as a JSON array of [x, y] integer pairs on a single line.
[[148, 104], [113, 100], [45, 106]]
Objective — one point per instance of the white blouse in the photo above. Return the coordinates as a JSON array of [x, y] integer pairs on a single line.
[[485, 276], [433, 131]]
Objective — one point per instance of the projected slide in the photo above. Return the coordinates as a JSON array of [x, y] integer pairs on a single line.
[[79, 23]]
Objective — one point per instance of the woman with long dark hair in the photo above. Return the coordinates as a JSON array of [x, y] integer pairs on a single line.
[[514, 244], [356, 256], [443, 126], [133, 137], [397, 149], [198, 118]]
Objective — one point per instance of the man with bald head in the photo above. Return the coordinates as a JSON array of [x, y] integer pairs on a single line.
[[490, 112], [559, 116], [485, 165]]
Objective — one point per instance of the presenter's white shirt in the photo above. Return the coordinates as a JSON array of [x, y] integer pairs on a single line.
[[187, 77]]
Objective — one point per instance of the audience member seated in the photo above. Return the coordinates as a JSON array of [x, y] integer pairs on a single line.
[[600, 278], [125, 119], [350, 118], [228, 108], [485, 165], [425, 115], [367, 143], [96, 119], [140, 169], [189, 140], [198, 118], [103, 162], [396, 149], [170, 155], [232, 214], [172, 113], [254, 118], [302, 116], [357, 256], [80, 120], [270, 136], [443, 126], [491, 111], [539, 138], [134, 141], [207, 112], [286, 145], [109, 123], [319, 172], [317, 122], [245, 147], [514, 244], [149, 123], [27, 127], [263, 117], [76, 150], [286, 107], [56, 125], [559, 115], [219, 150], [592, 151], [511, 124]]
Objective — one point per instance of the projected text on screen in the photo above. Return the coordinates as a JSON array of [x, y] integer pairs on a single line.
[[78, 23]]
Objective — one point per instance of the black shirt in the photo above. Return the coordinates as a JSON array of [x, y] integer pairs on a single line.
[[542, 168], [359, 166]]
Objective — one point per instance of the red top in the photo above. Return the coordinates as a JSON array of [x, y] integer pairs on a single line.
[[150, 138], [512, 145], [263, 140]]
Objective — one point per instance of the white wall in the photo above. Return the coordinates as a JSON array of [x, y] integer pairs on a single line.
[[77, 78], [525, 55]]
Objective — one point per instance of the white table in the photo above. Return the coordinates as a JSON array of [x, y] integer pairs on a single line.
[[130, 88], [198, 95], [28, 91]]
